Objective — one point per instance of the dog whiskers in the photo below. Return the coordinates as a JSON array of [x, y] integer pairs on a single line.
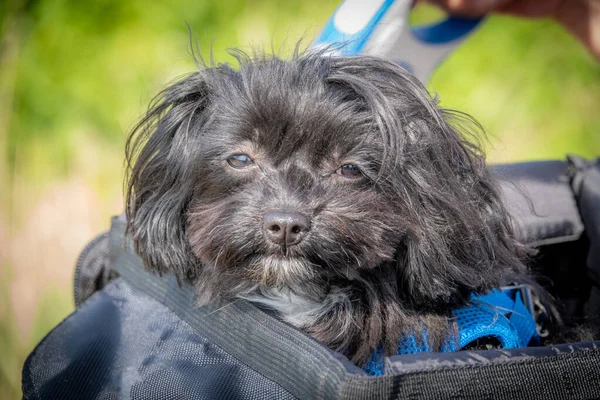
[[223, 307]]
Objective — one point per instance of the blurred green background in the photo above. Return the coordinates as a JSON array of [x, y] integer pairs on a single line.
[[75, 76]]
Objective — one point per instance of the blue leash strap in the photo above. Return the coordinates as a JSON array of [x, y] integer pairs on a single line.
[[381, 28]]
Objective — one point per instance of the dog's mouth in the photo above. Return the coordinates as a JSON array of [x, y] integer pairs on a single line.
[[280, 270]]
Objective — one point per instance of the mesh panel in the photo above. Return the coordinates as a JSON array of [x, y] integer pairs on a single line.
[[124, 344]]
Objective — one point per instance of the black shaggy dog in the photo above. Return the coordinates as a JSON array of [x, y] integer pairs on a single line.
[[332, 190]]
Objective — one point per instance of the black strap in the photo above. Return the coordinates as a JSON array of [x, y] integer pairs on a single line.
[[540, 200], [309, 370], [585, 179]]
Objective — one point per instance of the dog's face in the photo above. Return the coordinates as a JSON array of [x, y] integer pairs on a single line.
[[313, 176], [286, 191]]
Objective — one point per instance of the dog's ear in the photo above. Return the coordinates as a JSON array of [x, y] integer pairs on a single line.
[[457, 233], [160, 153], [459, 239]]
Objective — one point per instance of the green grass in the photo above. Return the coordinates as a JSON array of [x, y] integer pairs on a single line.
[[74, 76]]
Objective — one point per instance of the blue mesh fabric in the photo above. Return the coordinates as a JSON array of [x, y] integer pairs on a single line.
[[498, 314]]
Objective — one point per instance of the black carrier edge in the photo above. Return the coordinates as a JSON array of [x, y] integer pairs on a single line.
[[81, 260]]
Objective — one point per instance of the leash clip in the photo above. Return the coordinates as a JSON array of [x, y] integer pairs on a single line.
[[533, 304]]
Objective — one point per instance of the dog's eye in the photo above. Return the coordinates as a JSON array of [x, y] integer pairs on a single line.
[[239, 161], [349, 171]]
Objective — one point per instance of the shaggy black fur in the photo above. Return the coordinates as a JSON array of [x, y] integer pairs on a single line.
[[402, 220]]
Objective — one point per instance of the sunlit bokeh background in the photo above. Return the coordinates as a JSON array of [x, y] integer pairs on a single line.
[[75, 76]]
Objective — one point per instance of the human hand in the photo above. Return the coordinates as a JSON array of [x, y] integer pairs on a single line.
[[580, 17]]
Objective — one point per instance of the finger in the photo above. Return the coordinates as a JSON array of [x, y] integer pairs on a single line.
[[533, 8], [470, 8]]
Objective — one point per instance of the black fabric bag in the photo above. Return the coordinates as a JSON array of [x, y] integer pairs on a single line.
[[137, 335]]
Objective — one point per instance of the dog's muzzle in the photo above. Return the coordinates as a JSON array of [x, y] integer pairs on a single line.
[[285, 228]]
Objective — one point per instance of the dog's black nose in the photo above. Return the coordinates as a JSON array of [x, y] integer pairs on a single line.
[[285, 228]]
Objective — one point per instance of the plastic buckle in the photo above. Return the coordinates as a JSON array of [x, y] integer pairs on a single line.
[[533, 305]]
